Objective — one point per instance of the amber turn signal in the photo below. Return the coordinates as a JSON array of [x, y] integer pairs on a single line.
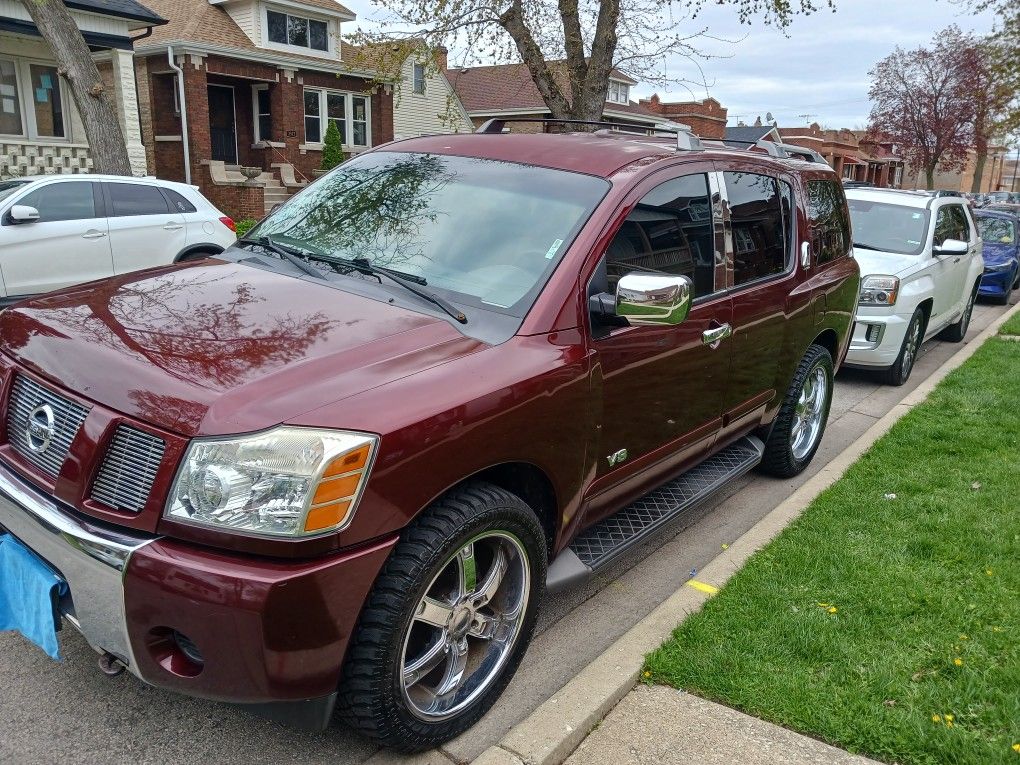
[[327, 516]]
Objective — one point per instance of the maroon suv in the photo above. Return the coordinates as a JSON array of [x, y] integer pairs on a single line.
[[338, 465]]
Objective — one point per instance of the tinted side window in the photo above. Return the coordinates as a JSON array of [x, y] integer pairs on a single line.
[[760, 212], [72, 200], [828, 220], [951, 223], [960, 222], [668, 232], [178, 202], [136, 199]]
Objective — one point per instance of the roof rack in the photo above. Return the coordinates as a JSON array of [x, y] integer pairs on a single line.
[[685, 139], [780, 150]]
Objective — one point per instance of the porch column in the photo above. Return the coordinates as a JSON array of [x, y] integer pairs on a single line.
[[125, 97], [196, 101]]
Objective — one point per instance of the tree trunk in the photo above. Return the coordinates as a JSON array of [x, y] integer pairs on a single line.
[[929, 177], [75, 65], [979, 171]]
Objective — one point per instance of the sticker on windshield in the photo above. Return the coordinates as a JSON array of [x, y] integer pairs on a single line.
[[913, 241], [551, 252], [916, 216]]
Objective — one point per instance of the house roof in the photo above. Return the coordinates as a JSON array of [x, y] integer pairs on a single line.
[[748, 133], [125, 9], [198, 23], [509, 87]]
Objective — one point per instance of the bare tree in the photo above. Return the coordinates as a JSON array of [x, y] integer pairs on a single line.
[[571, 47], [75, 65], [923, 100]]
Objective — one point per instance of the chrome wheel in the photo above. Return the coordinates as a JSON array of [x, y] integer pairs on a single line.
[[465, 627], [809, 414], [910, 347]]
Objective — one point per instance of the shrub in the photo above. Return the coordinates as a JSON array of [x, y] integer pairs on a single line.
[[332, 148], [244, 226]]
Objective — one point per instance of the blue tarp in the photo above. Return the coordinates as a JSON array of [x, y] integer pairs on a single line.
[[29, 591]]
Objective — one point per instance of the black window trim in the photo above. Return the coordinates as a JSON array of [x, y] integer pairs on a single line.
[[98, 202]]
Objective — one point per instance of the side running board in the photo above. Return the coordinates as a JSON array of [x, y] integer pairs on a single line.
[[599, 545]]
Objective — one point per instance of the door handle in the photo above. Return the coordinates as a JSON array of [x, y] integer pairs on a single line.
[[93, 235], [713, 336], [172, 227]]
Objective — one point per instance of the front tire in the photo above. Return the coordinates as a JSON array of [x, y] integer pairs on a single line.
[[800, 424], [899, 372], [448, 620]]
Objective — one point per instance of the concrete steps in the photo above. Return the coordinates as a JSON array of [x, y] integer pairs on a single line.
[[274, 191]]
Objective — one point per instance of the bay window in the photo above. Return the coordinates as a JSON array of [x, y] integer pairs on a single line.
[[31, 100], [350, 112]]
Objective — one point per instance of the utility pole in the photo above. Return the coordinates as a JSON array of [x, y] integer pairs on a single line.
[[1016, 168]]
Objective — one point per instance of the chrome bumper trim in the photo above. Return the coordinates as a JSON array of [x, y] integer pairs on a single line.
[[92, 561]]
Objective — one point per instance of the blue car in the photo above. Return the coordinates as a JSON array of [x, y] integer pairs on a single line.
[[1002, 254]]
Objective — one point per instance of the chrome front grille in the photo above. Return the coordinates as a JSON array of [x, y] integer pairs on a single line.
[[28, 397], [129, 469]]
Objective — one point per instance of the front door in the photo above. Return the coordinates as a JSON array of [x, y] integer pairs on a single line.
[[222, 131], [661, 386]]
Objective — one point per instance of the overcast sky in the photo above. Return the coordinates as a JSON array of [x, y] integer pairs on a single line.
[[820, 68]]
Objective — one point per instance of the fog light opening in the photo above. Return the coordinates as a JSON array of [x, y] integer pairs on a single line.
[[188, 648], [175, 652], [874, 333]]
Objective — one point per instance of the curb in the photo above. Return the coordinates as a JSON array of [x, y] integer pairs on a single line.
[[555, 729]]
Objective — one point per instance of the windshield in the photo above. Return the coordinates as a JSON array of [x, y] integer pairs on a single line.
[[9, 187], [486, 233], [997, 230], [888, 227]]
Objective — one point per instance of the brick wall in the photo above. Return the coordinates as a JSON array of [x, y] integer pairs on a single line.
[[707, 118]]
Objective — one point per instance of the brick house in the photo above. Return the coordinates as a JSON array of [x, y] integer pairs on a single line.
[[228, 84], [707, 118], [507, 90], [40, 128]]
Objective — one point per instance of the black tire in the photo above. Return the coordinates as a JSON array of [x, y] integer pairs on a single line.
[[899, 372], [196, 255], [779, 458], [372, 690], [1002, 299], [955, 333]]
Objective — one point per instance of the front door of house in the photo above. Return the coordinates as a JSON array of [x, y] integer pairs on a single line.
[[222, 131]]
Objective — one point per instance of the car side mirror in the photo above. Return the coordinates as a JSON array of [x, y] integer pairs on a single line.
[[24, 214], [654, 299], [951, 247]]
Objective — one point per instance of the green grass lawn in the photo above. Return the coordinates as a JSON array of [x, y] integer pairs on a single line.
[[887, 626], [1011, 327]]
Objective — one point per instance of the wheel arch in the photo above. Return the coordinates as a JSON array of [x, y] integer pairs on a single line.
[[829, 340], [926, 306], [191, 249]]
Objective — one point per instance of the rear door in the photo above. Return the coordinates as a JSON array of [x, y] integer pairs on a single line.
[[68, 244], [144, 230]]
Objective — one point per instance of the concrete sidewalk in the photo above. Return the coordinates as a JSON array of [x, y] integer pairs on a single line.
[[663, 726]]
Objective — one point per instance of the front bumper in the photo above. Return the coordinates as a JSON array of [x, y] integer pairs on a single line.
[[268, 634], [877, 338], [998, 282]]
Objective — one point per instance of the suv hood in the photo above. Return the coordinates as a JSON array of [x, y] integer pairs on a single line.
[[888, 263], [213, 347]]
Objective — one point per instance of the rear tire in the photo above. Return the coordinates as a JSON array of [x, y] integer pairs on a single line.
[[419, 668], [955, 333], [899, 372], [800, 424], [197, 255]]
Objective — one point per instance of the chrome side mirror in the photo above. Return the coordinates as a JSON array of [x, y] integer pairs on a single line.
[[951, 247], [24, 214], [653, 298]]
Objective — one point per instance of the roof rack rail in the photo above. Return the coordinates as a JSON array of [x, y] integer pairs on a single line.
[[789, 150], [685, 139]]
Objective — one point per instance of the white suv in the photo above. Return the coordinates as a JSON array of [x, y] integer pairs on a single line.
[[920, 259], [61, 230]]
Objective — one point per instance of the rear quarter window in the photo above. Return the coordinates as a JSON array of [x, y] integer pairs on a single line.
[[828, 221]]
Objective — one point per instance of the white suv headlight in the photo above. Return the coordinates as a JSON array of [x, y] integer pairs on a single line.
[[879, 290], [285, 482]]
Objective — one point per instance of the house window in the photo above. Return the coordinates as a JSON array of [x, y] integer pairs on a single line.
[[418, 78], [263, 117], [31, 100], [297, 31], [619, 92], [350, 112]]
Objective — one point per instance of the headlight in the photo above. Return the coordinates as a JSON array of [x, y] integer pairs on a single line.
[[285, 482], [879, 290]]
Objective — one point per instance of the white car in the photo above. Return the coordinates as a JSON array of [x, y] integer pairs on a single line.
[[58, 230], [920, 259]]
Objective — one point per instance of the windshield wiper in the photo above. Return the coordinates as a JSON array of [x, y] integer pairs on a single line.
[[407, 281], [266, 242], [866, 246]]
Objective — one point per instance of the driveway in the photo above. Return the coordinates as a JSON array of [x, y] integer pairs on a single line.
[[69, 711]]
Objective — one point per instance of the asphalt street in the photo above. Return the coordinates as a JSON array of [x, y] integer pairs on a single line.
[[70, 712]]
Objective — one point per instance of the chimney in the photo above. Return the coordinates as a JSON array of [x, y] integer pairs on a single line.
[[441, 53]]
